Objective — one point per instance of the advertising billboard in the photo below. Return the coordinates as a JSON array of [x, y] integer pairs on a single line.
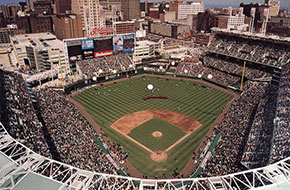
[[75, 53], [118, 44], [103, 47], [101, 31], [103, 53], [128, 43], [87, 44], [88, 54]]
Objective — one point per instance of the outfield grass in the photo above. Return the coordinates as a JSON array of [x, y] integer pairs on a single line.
[[170, 134], [110, 102]]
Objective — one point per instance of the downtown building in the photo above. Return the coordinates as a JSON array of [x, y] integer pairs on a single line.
[[130, 9], [90, 14], [190, 8]]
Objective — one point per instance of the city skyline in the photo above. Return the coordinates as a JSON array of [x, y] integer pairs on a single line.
[[208, 3]]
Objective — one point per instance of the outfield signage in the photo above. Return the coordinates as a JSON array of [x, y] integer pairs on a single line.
[[103, 53], [88, 54], [75, 58], [128, 43], [87, 44], [102, 31], [118, 44]]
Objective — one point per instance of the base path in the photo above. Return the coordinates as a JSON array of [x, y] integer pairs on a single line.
[[129, 122], [125, 124]]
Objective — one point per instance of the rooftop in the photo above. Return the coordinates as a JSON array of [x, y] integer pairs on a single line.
[[39, 40]]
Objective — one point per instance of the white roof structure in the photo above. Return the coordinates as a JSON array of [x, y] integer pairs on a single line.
[[21, 169]]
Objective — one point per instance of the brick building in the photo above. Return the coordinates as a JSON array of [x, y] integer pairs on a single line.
[[124, 27], [40, 23], [10, 11], [131, 9], [43, 7], [35, 23], [68, 26], [62, 6]]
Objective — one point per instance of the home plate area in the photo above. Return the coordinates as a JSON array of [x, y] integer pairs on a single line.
[[157, 131]]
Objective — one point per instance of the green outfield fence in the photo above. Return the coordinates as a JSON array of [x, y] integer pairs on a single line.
[[89, 82]]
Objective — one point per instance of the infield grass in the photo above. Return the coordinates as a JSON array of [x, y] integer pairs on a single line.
[[110, 102], [170, 134]]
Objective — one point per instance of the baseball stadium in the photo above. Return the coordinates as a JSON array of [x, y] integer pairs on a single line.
[[221, 122]]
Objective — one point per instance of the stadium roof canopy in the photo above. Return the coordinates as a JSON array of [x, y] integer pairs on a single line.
[[23, 169]]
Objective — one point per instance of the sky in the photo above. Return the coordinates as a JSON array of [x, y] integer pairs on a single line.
[[208, 3]]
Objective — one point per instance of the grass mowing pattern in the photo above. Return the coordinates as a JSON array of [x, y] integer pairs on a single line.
[[170, 134], [110, 102]]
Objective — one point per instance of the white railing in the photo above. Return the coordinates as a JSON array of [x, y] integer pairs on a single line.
[[25, 161]]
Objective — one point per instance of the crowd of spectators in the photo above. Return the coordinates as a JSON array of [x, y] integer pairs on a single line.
[[226, 156], [257, 149], [105, 65], [281, 135], [253, 50], [195, 70], [18, 115], [235, 68], [73, 136]]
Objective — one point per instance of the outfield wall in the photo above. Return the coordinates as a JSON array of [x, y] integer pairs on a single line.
[[89, 82]]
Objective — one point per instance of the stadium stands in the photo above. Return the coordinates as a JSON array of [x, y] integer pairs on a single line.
[[104, 65], [281, 136], [233, 68], [18, 114], [73, 136], [257, 149], [268, 53], [226, 156], [249, 137], [196, 69]]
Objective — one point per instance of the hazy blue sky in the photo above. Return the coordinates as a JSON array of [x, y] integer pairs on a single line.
[[235, 3]]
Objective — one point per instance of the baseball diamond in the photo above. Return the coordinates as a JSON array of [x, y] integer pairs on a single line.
[[182, 120]]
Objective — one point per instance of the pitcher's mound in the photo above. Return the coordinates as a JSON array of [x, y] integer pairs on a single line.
[[156, 134], [158, 156]]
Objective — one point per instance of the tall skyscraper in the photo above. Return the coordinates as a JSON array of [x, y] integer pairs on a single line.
[[131, 9], [90, 12], [274, 7]]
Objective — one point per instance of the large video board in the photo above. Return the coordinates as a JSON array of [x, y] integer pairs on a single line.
[[74, 50], [103, 47]]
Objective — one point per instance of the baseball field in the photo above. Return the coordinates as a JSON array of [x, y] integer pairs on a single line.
[[160, 135]]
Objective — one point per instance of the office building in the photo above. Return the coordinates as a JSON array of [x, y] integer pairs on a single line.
[[90, 12], [40, 52], [10, 11], [68, 26], [62, 6], [43, 7], [130, 9], [274, 7], [124, 27], [189, 8]]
